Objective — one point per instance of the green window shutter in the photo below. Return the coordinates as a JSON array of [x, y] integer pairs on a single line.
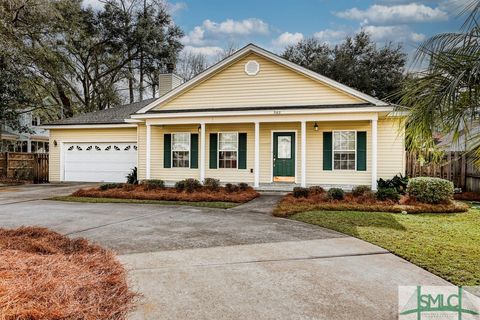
[[167, 150], [194, 151], [327, 151], [213, 150], [242, 151], [361, 151]]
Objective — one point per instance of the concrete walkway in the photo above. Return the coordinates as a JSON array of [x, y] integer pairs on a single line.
[[241, 263]]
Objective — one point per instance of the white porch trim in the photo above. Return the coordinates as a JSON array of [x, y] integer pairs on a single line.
[[303, 164], [374, 153], [202, 151], [148, 147], [256, 168]]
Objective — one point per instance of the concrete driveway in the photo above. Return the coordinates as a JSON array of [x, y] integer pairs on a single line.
[[241, 263]]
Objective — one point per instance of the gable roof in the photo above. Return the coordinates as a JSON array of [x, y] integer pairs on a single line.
[[251, 48], [115, 115]]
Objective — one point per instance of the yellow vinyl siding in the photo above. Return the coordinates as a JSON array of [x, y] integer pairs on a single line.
[[315, 173], [274, 85], [231, 175], [391, 148], [83, 135], [157, 171]]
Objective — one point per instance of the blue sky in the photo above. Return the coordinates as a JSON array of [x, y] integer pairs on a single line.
[[212, 25]]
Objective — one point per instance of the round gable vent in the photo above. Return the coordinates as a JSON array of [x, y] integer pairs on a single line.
[[252, 67]]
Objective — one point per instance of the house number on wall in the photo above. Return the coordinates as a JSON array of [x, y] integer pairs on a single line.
[[277, 112]]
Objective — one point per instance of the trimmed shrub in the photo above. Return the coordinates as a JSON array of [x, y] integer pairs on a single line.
[[358, 191], [230, 187], [106, 186], [430, 190], [314, 190], [336, 194], [192, 185], [243, 186], [387, 194], [211, 184], [153, 184], [132, 176], [180, 185], [299, 192], [398, 182]]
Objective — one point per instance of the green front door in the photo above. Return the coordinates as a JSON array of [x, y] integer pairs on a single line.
[[283, 155]]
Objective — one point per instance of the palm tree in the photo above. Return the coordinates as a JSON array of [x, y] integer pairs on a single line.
[[445, 97]]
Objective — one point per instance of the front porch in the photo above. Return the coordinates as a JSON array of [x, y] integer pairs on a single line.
[[269, 153]]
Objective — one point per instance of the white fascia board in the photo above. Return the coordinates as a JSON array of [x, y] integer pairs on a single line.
[[260, 113], [271, 56], [89, 126]]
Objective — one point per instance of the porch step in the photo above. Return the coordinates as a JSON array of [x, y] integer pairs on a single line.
[[277, 186]]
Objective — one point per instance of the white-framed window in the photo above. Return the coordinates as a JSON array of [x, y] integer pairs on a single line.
[[228, 150], [344, 150], [181, 150]]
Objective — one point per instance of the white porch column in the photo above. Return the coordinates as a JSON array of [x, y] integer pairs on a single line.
[[304, 154], [148, 144], [202, 151], [374, 154], [256, 167]]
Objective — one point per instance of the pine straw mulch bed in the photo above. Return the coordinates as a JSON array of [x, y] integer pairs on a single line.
[[467, 196], [139, 192], [45, 275], [290, 205]]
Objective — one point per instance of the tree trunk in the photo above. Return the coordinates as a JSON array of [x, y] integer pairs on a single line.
[[66, 103], [140, 89]]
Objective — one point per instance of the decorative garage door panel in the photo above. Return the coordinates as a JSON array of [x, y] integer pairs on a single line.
[[98, 162]]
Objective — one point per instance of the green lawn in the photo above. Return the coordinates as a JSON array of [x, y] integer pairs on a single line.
[[447, 245], [213, 204]]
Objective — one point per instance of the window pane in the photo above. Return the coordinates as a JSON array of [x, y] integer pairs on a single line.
[[285, 147], [181, 159], [228, 141], [181, 142], [227, 159]]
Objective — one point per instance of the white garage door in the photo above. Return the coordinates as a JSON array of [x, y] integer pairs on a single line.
[[98, 162]]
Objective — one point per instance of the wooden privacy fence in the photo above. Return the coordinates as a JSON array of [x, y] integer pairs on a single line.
[[455, 167], [24, 166]]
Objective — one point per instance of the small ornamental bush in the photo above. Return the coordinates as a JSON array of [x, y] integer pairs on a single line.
[[192, 185], [132, 176], [430, 190], [336, 194], [211, 184], [106, 186], [128, 187], [230, 188], [398, 182], [180, 185], [358, 191], [243, 186], [314, 190], [153, 184], [387, 194], [299, 192]]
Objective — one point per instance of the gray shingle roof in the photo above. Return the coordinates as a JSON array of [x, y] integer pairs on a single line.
[[113, 115]]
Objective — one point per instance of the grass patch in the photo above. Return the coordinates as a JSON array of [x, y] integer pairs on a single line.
[[213, 204], [444, 244]]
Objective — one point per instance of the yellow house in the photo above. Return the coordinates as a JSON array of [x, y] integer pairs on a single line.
[[254, 117]]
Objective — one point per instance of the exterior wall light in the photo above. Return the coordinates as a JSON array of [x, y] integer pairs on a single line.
[[315, 127], [199, 128], [55, 143]]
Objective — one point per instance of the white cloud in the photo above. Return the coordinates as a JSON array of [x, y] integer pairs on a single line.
[[207, 51], [174, 8], [396, 14], [287, 38], [243, 27], [393, 33], [330, 36], [210, 31]]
